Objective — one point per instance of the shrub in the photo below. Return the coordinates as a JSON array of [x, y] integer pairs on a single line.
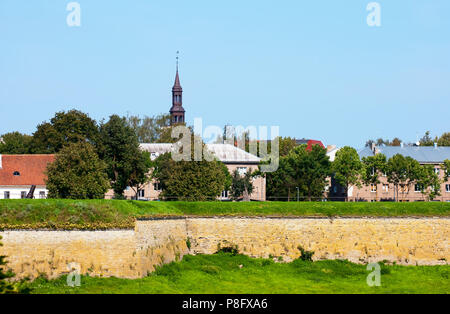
[[232, 249], [305, 255]]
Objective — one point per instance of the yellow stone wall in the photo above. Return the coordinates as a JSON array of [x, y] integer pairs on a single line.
[[135, 253]]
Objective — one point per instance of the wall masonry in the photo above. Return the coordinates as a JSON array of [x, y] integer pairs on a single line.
[[135, 253]]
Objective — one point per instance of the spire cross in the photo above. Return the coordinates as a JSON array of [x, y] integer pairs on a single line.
[[178, 53]]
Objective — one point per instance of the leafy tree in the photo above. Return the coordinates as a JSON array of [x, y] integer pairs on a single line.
[[15, 143], [77, 173], [65, 127], [118, 146], [7, 287], [444, 140], [373, 166], [140, 176], [190, 180], [382, 142], [347, 168], [429, 181], [150, 129], [426, 140], [310, 170], [402, 172], [241, 186], [281, 184], [447, 169]]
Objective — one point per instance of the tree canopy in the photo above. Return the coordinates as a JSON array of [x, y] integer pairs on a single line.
[[15, 143], [77, 173], [347, 168], [64, 128]]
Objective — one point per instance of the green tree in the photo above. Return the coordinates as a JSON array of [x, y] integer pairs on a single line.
[[65, 127], [429, 182], [140, 175], [242, 185], [77, 173], [373, 167], [402, 172], [15, 143], [190, 180], [444, 140], [281, 184], [310, 170], [150, 129], [347, 168], [118, 146], [426, 140], [6, 286], [447, 169]]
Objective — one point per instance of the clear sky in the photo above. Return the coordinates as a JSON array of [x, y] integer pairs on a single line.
[[314, 68]]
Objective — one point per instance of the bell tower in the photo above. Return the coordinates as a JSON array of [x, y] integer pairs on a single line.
[[177, 111]]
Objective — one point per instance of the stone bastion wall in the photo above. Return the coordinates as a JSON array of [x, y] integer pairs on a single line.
[[135, 253]]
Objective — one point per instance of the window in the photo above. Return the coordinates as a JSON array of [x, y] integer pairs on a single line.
[[16, 173], [385, 187], [42, 195], [224, 194], [23, 194], [242, 170], [447, 188], [418, 188], [437, 171], [6, 195], [156, 186], [373, 188], [141, 193]]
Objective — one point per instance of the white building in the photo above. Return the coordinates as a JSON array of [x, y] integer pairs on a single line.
[[18, 173]]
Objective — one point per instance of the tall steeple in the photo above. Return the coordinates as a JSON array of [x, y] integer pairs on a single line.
[[177, 111]]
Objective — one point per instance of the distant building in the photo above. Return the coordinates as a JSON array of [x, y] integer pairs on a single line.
[[233, 157], [18, 173], [385, 191], [309, 143]]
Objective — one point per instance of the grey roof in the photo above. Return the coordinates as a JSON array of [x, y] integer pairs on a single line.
[[226, 153], [423, 154]]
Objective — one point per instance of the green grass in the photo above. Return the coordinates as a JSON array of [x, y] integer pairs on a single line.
[[221, 274], [111, 214]]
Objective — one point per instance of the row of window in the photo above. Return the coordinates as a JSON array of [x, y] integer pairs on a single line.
[[23, 194], [436, 171], [417, 188]]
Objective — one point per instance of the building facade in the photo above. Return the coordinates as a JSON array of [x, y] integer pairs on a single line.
[[385, 191], [18, 173], [233, 157]]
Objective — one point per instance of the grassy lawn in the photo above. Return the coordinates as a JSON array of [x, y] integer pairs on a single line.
[[107, 214], [222, 274]]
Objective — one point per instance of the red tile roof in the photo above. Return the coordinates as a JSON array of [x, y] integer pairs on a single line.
[[30, 167]]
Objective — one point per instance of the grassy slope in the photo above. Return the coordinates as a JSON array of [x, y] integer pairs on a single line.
[[104, 214], [221, 274]]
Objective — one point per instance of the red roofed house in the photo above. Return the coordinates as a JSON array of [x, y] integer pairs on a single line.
[[19, 172]]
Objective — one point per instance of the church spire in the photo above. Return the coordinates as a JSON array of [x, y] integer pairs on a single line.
[[177, 111]]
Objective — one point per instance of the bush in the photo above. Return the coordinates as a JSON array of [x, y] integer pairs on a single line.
[[305, 255], [232, 249]]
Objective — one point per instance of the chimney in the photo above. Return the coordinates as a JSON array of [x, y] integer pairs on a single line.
[[375, 149]]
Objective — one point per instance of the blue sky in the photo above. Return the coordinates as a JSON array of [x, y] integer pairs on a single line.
[[314, 68]]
